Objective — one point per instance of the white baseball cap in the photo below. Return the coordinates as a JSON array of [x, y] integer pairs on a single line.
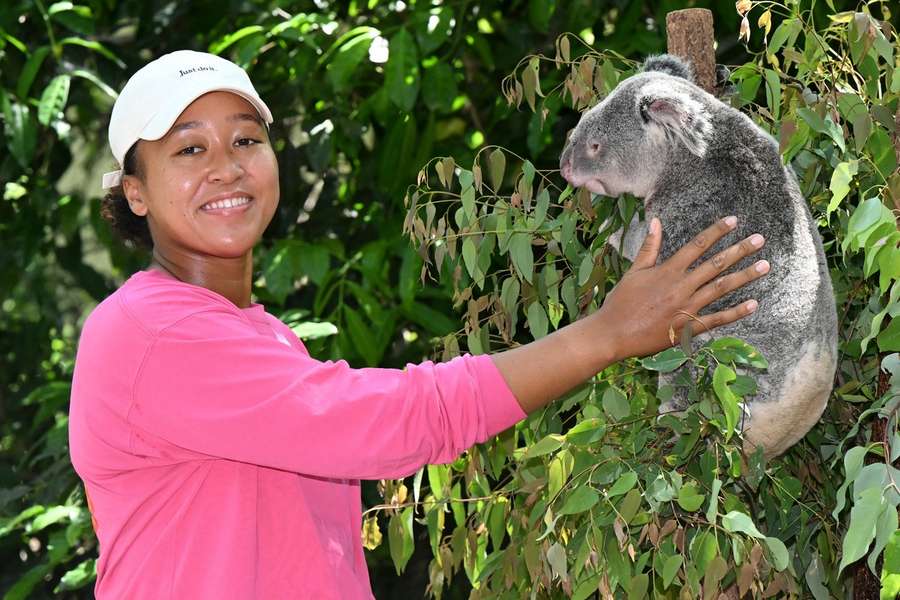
[[158, 93]]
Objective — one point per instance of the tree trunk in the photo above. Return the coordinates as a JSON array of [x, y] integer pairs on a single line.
[[689, 35]]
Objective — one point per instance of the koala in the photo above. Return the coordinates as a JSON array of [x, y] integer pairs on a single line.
[[692, 160]]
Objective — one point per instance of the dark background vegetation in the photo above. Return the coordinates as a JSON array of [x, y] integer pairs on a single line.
[[351, 135]]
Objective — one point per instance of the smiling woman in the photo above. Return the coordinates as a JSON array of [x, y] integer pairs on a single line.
[[219, 459]]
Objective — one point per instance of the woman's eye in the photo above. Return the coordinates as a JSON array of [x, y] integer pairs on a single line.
[[247, 142], [188, 151]]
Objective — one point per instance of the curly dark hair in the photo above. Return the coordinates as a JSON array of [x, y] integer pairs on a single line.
[[129, 227]]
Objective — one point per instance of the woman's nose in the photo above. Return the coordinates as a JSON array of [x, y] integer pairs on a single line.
[[225, 168]]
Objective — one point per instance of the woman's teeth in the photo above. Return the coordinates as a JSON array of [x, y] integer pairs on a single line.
[[227, 203]]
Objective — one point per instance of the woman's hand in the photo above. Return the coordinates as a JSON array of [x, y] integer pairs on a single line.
[[648, 308], [642, 314]]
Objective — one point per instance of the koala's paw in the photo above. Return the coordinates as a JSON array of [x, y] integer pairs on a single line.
[[666, 63]]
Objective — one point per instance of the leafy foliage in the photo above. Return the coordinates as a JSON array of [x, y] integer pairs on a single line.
[[595, 492], [364, 94]]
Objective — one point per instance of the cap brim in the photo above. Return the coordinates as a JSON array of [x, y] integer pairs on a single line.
[[162, 121]]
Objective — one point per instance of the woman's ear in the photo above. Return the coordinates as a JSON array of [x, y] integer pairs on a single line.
[[131, 187]]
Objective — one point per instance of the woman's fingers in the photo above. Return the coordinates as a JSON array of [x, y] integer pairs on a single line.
[[702, 242], [725, 259], [649, 252], [714, 290], [723, 317]]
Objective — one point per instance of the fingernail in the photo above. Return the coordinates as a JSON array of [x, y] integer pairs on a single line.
[[752, 305], [654, 225], [731, 221], [756, 239], [762, 266]]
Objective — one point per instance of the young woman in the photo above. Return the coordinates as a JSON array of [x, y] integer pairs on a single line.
[[219, 459]]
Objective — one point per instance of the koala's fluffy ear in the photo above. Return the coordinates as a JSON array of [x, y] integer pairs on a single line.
[[679, 116], [672, 65]]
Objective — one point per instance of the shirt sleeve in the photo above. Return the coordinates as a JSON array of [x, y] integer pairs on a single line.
[[212, 384]]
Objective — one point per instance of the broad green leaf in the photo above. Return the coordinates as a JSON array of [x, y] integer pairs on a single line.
[[556, 558], [738, 522], [863, 516], [666, 361], [773, 93], [20, 130], [53, 99], [623, 484], [496, 168], [470, 258], [362, 336], [226, 41], [537, 320], [548, 444], [30, 71], [615, 404], [78, 577], [348, 52], [690, 498], [401, 74], [840, 183], [579, 501], [314, 331], [439, 87], [400, 538], [778, 553], [670, 569], [522, 256], [721, 377], [889, 339], [730, 349]]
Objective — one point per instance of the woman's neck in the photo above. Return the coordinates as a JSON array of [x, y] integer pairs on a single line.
[[230, 277]]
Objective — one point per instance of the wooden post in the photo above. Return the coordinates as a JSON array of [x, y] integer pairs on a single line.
[[689, 35]]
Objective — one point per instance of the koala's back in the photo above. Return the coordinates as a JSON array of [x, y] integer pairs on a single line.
[[795, 326]]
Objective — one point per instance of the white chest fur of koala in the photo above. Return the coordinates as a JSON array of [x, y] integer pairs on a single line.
[[693, 160]]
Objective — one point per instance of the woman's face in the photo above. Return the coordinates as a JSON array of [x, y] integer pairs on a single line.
[[218, 150]]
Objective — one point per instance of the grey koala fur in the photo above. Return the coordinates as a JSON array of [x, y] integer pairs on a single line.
[[693, 160]]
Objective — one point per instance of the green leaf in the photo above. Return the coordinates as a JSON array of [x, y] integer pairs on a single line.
[[496, 168], [78, 577], [721, 377], [734, 350], [400, 538], [548, 444], [30, 71], [840, 183], [623, 484], [20, 130], [738, 522], [670, 569], [362, 337], [582, 499], [522, 256], [348, 52], [226, 41], [778, 553], [863, 516], [470, 256], [314, 331], [615, 404], [439, 87], [401, 74], [690, 498], [537, 320], [53, 99], [666, 361], [889, 339], [773, 93]]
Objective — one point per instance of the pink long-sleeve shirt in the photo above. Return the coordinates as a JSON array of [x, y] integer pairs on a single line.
[[221, 461]]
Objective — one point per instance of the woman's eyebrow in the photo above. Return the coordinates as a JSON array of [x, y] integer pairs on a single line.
[[246, 117]]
